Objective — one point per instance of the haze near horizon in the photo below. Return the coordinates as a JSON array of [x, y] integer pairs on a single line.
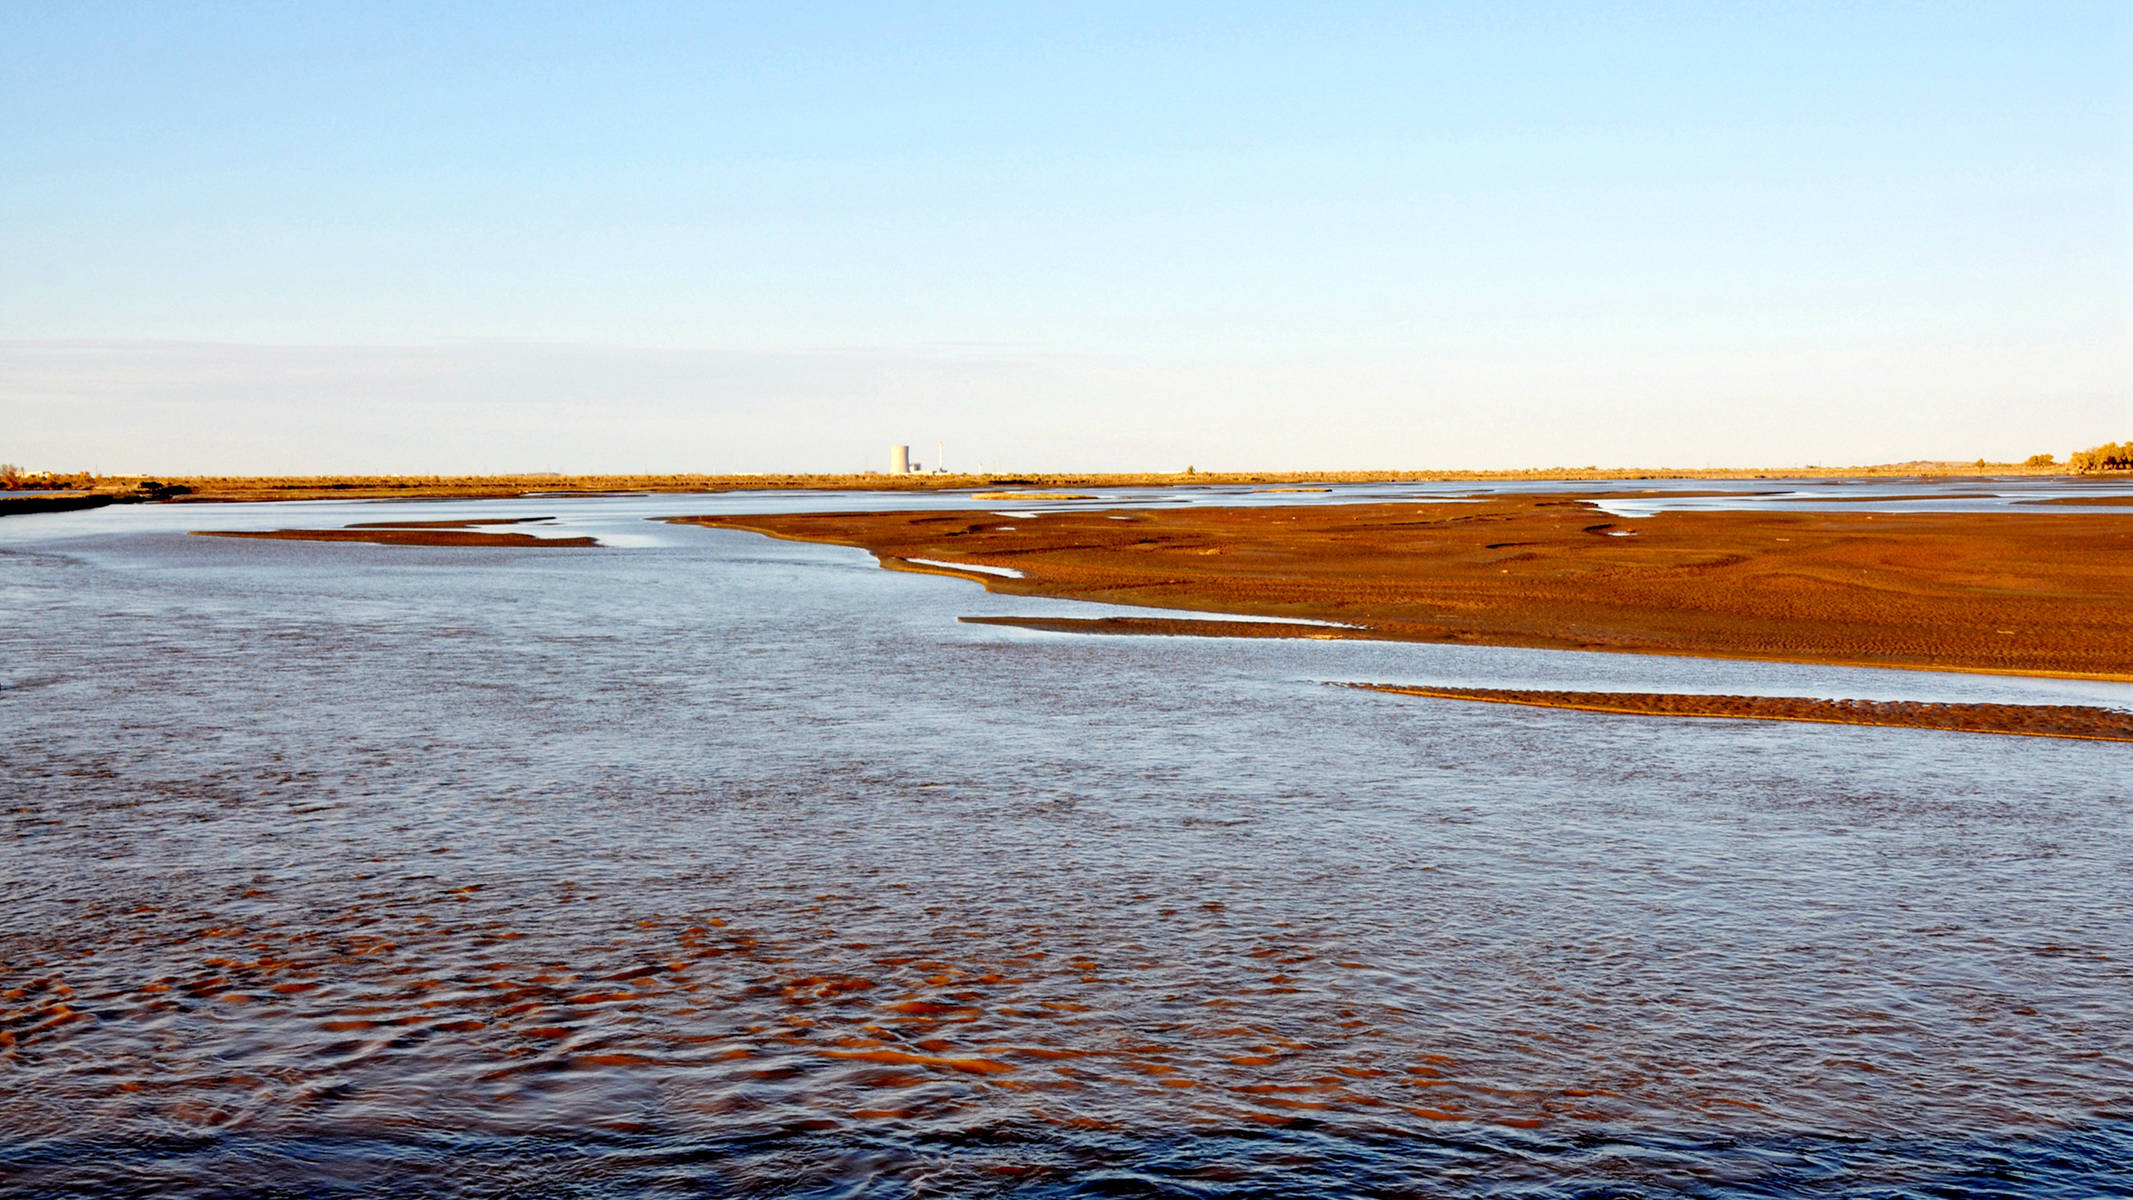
[[258, 240]]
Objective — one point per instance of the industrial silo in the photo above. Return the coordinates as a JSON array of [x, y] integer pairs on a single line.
[[899, 460]]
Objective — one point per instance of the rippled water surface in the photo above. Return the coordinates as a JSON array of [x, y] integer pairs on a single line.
[[710, 864]]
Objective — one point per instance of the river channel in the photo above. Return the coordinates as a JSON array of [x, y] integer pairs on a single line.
[[700, 863]]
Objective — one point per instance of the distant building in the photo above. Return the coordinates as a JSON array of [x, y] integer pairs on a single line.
[[899, 460]]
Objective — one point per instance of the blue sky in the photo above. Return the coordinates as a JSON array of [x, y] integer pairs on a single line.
[[518, 237]]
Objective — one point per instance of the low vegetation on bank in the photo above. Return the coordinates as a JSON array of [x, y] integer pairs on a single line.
[[2108, 457]]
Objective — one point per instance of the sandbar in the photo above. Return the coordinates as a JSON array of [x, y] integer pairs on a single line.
[[465, 524], [2039, 592], [1031, 496], [1184, 627], [407, 536], [2028, 720]]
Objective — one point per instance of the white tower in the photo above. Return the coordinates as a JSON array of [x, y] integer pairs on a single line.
[[899, 460]]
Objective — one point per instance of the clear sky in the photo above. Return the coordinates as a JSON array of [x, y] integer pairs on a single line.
[[604, 237]]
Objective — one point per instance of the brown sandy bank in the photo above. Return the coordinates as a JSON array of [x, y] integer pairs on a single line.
[[2039, 592], [2031, 720], [62, 502]]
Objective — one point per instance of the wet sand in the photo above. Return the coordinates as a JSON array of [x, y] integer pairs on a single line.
[[1878, 499], [2030, 720], [463, 524], [1031, 496], [2029, 593], [1181, 626]]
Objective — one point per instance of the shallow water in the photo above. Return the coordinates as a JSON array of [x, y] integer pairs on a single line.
[[721, 865]]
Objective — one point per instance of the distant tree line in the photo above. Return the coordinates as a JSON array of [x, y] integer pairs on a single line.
[[13, 476], [2111, 456]]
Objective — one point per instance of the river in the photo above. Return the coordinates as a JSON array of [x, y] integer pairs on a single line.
[[708, 864]]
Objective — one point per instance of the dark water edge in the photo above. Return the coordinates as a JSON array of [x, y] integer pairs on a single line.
[[2089, 1161], [17, 506]]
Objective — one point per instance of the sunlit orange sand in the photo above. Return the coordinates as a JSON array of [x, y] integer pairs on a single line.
[[2034, 720], [2045, 592]]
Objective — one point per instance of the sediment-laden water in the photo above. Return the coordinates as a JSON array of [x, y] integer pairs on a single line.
[[709, 864]]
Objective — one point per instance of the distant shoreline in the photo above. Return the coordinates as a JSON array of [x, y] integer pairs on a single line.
[[218, 488]]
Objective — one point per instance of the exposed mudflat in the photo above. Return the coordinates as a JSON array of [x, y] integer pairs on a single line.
[[2000, 592], [2034, 720]]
